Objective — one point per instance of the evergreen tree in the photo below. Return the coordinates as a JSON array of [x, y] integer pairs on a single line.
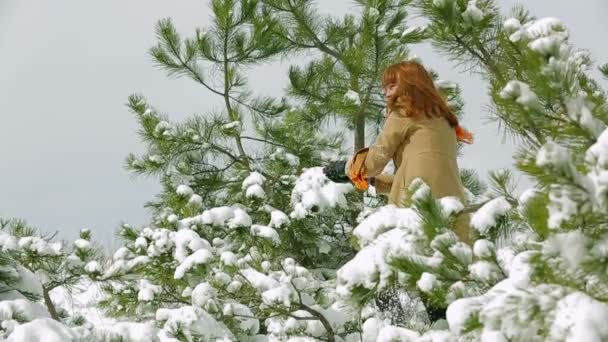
[[33, 267], [537, 272], [209, 237], [353, 51], [228, 214], [252, 242], [214, 154]]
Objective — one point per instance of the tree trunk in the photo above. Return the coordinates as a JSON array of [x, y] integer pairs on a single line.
[[360, 131], [49, 304]]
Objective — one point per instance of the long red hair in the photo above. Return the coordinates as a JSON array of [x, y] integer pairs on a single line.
[[417, 96]]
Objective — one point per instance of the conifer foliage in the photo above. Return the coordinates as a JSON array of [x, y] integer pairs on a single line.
[[249, 241]]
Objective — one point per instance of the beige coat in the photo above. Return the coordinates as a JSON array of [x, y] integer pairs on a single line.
[[420, 148]]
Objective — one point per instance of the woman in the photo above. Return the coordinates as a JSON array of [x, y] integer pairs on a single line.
[[420, 135]]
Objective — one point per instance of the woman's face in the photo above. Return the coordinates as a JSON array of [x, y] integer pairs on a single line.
[[389, 91]]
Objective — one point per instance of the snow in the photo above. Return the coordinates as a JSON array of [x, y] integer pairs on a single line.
[[562, 207], [450, 205], [462, 252], [121, 253], [278, 219], [259, 280], [596, 158], [266, 233], [580, 318], [190, 321], [203, 294], [472, 13], [93, 267], [228, 258], [234, 286], [82, 244], [526, 196], [440, 241], [485, 271], [520, 270], [162, 128], [278, 295], [172, 218], [195, 201], [391, 333], [255, 191], [521, 93], [156, 159], [544, 27], [233, 125], [427, 282], [353, 96], [200, 257], [27, 281], [266, 265], [254, 178], [8, 241], [460, 312], [147, 290], [485, 218], [140, 243], [122, 266], [373, 12], [39, 246], [243, 315], [21, 309], [292, 159], [187, 240], [511, 25], [280, 154], [232, 217], [314, 190], [42, 329], [371, 329], [369, 268], [545, 34], [483, 249], [184, 190], [130, 332], [493, 336], [413, 29], [572, 248], [547, 45], [382, 220], [597, 154]]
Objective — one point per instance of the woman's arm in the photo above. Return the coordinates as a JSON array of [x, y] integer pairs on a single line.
[[392, 135]]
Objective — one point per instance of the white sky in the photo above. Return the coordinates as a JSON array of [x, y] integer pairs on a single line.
[[67, 68]]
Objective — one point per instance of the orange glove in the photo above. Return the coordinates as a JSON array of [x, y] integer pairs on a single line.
[[356, 171], [464, 135]]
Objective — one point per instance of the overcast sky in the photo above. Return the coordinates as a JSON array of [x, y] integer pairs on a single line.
[[68, 66]]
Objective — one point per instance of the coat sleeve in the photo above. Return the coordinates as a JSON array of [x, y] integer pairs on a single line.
[[383, 183], [392, 135]]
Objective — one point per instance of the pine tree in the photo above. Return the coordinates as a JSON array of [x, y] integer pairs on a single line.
[[33, 267], [344, 80], [209, 252], [228, 221], [241, 248], [536, 271]]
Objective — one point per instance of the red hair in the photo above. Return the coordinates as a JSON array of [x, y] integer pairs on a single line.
[[417, 96]]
